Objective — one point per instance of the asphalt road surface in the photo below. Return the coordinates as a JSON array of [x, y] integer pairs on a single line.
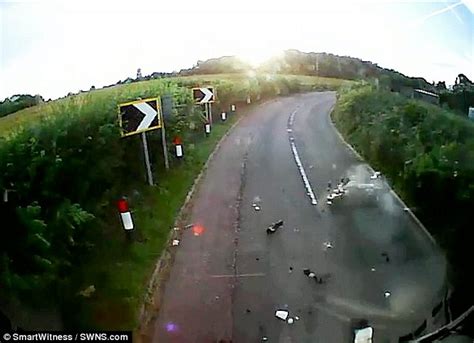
[[230, 276]]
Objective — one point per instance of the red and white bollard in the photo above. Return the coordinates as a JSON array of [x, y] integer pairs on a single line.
[[125, 214], [207, 128], [178, 144]]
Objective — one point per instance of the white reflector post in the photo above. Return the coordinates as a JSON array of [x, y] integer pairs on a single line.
[[179, 150], [232, 108], [248, 100], [207, 128], [127, 221], [223, 116]]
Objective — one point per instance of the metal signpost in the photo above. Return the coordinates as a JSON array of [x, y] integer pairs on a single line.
[[138, 117], [205, 96]]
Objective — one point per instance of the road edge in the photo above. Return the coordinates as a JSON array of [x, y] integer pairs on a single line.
[[153, 292], [408, 210]]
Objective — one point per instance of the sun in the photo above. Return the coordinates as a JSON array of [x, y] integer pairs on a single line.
[[256, 57]]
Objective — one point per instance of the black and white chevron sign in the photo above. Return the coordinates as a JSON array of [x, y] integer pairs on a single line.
[[139, 116]]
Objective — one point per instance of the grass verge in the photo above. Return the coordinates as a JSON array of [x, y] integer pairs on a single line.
[[123, 269]]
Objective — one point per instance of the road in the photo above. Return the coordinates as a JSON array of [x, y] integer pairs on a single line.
[[230, 276]]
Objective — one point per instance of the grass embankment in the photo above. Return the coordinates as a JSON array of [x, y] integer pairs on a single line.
[[66, 166], [427, 153]]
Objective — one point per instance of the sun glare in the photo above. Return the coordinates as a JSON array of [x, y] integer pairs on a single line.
[[257, 57]]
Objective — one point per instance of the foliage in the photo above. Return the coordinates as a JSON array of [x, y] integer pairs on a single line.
[[64, 164], [428, 154], [18, 102]]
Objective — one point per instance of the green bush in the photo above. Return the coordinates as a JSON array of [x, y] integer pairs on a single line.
[[64, 163], [428, 155]]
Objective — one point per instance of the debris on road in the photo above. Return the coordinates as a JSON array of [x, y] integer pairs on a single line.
[[189, 226], [387, 258], [175, 242], [327, 245], [387, 294], [264, 338], [321, 279], [176, 228], [291, 269], [310, 274], [282, 314], [290, 320], [247, 310], [375, 175], [372, 269], [256, 204], [275, 226], [297, 318]]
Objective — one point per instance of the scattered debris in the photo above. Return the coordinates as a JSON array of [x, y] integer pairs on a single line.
[[297, 318], [275, 226], [406, 209], [289, 130], [375, 175], [257, 208], [290, 320], [387, 258], [311, 167], [327, 245], [296, 229], [281, 314], [176, 228], [309, 273], [257, 258], [264, 338], [372, 269], [387, 294], [291, 269], [321, 279], [175, 242], [247, 310], [189, 226]]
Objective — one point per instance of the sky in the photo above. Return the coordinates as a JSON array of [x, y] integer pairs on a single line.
[[55, 47]]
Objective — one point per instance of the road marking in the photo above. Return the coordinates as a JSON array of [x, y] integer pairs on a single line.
[[237, 275], [307, 185], [292, 117]]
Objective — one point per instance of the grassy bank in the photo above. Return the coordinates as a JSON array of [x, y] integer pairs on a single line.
[[121, 275], [65, 166], [427, 154]]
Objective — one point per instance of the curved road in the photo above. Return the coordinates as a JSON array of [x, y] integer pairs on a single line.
[[229, 276]]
